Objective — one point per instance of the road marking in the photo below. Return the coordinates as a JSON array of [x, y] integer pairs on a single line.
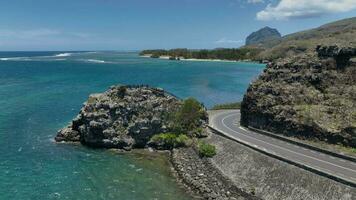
[[282, 147], [243, 128]]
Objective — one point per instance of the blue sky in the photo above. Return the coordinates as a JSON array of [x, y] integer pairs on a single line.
[[144, 24]]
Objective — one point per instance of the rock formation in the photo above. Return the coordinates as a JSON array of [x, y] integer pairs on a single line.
[[122, 117], [262, 35], [308, 96]]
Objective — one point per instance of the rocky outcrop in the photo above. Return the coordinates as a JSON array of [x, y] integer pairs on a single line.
[[341, 55], [262, 35], [122, 117], [309, 96]]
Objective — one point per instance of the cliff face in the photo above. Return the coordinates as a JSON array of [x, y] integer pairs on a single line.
[[262, 35], [308, 96], [122, 117]]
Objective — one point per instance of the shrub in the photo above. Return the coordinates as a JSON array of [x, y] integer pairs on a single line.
[[206, 150], [183, 140], [189, 115], [198, 133], [236, 105], [169, 140]]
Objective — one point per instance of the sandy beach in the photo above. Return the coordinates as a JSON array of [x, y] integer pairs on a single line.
[[193, 59]]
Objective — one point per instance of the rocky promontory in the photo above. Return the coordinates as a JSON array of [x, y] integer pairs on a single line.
[[311, 96], [122, 117]]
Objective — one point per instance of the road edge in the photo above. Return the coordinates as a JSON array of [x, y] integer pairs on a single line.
[[274, 135], [303, 166]]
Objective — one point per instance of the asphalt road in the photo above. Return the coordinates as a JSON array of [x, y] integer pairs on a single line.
[[227, 122]]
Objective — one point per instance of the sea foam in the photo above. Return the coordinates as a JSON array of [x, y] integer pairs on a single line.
[[95, 61], [63, 55]]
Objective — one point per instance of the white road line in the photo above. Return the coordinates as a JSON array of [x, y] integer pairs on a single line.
[[223, 122]]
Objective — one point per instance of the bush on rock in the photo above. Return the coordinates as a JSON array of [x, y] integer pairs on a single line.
[[169, 141], [206, 150]]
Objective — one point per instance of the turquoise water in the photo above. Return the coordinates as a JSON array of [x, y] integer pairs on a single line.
[[40, 92]]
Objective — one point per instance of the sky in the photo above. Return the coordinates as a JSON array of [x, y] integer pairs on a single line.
[[41, 25]]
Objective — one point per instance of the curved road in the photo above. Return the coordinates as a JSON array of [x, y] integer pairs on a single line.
[[227, 122]]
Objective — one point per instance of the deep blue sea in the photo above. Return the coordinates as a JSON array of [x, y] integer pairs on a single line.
[[40, 92]]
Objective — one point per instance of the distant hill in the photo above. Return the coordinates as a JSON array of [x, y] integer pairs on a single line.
[[263, 35], [342, 33]]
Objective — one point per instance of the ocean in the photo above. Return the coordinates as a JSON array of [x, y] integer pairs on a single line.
[[40, 92]]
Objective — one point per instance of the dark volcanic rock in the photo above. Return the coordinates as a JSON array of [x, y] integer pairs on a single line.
[[262, 35], [122, 117], [308, 96], [341, 55]]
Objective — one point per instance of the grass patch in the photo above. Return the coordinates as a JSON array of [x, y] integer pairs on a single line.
[[236, 105], [206, 150]]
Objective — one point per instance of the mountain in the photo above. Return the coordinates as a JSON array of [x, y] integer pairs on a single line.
[[262, 35], [341, 33]]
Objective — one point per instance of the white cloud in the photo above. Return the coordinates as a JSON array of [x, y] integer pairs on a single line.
[[255, 1], [227, 41], [288, 9]]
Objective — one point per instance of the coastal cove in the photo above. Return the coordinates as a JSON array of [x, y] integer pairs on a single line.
[[42, 91]]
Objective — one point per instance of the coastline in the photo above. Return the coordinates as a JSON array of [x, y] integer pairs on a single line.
[[200, 60], [202, 178]]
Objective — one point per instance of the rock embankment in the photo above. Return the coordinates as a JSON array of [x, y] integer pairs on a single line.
[[203, 178], [309, 96], [122, 117]]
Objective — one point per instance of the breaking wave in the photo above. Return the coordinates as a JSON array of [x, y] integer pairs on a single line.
[[96, 61], [63, 55]]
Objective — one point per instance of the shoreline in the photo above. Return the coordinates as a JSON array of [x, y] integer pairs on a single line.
[[202, 179], [201, 60]]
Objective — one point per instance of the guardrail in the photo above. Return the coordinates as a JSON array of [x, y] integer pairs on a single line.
[[301, 165], [274, 135]]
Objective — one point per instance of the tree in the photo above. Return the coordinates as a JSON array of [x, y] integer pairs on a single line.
[[190, 115]]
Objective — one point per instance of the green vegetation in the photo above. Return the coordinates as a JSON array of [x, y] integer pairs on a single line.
[[206, 150], [221, 53], [170, 140], [189, 116], [187, 125], [226, 106]]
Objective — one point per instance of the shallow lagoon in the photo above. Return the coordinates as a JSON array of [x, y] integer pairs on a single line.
[[41, 92]]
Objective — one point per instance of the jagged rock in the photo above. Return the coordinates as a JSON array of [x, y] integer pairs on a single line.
[[307, 96], [122, 117], [340, 54]]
